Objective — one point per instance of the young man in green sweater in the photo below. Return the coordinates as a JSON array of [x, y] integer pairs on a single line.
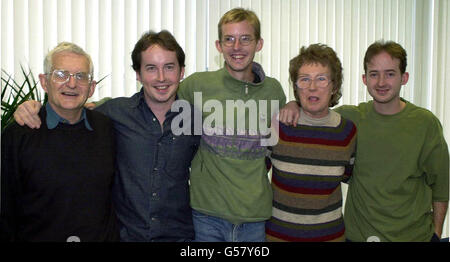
[[400, 185]]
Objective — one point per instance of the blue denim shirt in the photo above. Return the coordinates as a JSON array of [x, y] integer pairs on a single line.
[[151, 190]]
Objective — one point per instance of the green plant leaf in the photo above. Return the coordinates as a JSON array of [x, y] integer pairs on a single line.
[[14, 93]]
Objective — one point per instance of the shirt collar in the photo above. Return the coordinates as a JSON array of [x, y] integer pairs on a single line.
[[257, 70], [53, 119]]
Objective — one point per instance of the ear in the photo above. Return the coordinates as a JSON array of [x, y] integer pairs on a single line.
[[405, 78], [218, 46], [364, 79], [259, 45], [182, 72], [92, 88], [44, 82], [138, 76]]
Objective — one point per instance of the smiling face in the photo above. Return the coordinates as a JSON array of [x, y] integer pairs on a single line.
[[239, 58], [313, 99], [160, 75], [384, 80], [67, 98]]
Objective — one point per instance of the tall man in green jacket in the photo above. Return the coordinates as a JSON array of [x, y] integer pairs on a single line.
[[230, 192]]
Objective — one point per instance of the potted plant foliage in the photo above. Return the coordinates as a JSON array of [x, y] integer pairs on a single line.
[[14, 94]]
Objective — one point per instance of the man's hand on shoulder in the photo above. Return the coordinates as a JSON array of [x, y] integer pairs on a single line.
[[90, 106], [27, 114], [290, 114]]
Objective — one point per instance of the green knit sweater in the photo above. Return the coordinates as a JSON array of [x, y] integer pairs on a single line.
[[401, 167]]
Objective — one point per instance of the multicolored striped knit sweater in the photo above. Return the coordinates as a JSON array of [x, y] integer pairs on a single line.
[[309, 163]]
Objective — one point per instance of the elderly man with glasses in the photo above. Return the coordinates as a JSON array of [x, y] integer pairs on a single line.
[[56, 181]]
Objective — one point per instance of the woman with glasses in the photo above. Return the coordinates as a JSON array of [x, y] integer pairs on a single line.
[[312, 159]]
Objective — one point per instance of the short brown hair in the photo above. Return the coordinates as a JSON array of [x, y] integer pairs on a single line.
[[237, 15], [164, 39], [318, 54], [394, 49]]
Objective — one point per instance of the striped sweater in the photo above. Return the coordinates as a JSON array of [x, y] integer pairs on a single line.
[[309, 163]]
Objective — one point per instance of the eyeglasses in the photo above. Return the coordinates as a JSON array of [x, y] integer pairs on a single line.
[[321, 81], [243, 40], [62, 76]]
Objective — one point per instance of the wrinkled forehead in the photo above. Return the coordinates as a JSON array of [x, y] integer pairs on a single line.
[[70, 61], [314, 68]]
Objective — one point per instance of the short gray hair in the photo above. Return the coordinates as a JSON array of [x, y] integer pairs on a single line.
[[66, 47]]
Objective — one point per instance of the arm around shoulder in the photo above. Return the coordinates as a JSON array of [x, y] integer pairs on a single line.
[[95, 104], [27, 113]]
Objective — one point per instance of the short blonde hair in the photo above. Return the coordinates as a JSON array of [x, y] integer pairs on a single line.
[[237, 15]]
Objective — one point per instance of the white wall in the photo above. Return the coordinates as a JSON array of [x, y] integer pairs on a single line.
[[108, 29]]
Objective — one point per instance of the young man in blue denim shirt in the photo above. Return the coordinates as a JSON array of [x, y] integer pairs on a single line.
[[151, 190]]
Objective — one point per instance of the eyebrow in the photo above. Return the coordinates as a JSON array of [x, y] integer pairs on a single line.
[[320, 74], [237, 35], [170, 63], [387, 70]]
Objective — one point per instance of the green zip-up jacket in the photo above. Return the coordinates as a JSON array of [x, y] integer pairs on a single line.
[[229, 174]]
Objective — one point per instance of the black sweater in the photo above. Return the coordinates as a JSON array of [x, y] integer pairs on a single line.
[[56, 184]]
